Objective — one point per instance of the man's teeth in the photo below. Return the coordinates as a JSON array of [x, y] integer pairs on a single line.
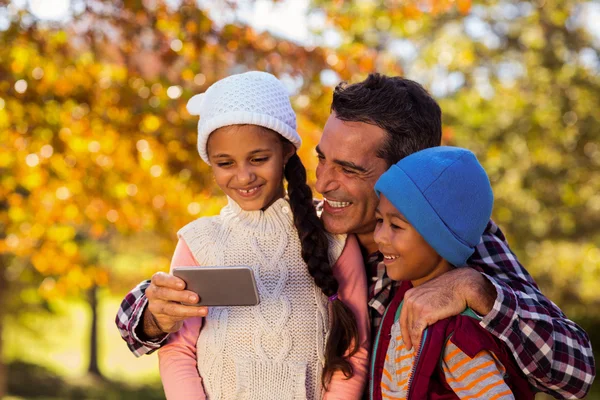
[[249, 190], [390, 257], [338, 204]]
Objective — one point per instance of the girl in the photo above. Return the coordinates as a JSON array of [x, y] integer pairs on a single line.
[[288, 346]]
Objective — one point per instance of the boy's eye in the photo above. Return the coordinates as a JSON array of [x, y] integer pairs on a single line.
[[394, 226], [224, 164], [379, 220]]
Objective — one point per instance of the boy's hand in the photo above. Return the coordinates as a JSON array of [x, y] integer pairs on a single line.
[[165, 313], [445, 296]]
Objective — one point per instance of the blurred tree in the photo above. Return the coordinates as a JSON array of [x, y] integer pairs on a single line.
[[96, 145], [519, 84], [530, 107]]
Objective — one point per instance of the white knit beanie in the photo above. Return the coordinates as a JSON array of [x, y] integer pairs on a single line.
[[255, 98]]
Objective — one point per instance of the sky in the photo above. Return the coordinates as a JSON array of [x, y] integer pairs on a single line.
[[293, 20], [287, 19]]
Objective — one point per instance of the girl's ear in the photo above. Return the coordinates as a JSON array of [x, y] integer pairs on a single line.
[[288, 151]]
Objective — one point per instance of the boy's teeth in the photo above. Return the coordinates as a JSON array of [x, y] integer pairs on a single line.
[[338, 204]]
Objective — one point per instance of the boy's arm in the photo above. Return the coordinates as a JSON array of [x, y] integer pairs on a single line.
[[349, 271], [481, 377]]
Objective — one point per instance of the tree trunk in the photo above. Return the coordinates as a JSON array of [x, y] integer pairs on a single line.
[[3, 290], [3, 370], [93, 366]]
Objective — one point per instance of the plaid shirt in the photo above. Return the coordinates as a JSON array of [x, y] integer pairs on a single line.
[[553, 351]]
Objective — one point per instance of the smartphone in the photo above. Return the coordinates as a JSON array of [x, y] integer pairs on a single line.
[[220, 286]]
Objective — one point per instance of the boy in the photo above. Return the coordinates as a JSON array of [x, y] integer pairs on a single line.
[[434, 206]]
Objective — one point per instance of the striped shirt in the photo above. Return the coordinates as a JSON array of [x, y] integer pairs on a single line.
[[479, 378]]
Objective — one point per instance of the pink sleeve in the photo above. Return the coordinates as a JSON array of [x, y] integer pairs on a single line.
[[177, 359], [350, 273]]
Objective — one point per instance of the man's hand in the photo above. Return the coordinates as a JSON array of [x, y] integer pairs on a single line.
[[164, 313], [445, 296]]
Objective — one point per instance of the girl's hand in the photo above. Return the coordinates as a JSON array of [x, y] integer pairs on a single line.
[[165, 313]]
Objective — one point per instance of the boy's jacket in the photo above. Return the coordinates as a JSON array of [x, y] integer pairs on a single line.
[[428, 380]]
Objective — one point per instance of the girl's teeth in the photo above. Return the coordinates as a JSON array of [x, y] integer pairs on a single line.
[[249, 190], [338, 204], [390, 257]]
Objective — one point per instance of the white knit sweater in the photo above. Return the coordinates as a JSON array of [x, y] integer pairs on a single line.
[[274, 350]]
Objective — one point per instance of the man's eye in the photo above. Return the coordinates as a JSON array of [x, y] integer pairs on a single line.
[[379, 221], [320, 158], [348, 171]]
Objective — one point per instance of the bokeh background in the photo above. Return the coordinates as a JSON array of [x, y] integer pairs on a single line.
[[98, 165]]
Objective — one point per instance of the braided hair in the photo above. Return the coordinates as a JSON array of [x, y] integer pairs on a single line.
[[343, 337]]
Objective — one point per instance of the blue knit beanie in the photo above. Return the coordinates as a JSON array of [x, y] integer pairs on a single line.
[[445, 194]]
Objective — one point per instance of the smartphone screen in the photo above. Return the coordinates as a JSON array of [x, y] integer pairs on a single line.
[[220, 286]]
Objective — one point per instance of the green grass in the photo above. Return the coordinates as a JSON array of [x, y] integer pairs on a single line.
[[60, 343], [29, 381], [48, 357]]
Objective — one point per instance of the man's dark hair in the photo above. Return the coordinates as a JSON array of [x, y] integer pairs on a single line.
[[399, 106]]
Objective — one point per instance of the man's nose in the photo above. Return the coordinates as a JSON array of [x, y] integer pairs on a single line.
[[326, 181]]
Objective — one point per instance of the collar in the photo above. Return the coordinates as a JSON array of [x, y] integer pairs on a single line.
[[276, 218]]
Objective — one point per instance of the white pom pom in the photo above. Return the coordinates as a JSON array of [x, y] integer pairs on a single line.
[[194, 105]]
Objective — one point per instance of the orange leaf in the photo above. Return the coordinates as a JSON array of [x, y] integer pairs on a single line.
[[411, 11], [464, 6]]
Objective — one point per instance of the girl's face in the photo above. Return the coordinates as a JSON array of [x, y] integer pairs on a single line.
[[407, 256], [248, 162]]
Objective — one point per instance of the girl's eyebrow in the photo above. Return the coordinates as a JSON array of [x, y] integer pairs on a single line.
[[222, 155], [261, 151]]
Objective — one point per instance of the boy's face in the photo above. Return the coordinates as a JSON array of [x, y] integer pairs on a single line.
[[407, 256]]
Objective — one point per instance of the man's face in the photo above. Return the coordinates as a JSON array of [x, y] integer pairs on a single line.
[[346, 175]]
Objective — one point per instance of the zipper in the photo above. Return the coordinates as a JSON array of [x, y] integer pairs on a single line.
[[373, 360], [415, 364]]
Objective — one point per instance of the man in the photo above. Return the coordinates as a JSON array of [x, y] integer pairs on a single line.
[[373, 124]]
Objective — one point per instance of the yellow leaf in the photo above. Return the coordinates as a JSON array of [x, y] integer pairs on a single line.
[[150, 123]]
